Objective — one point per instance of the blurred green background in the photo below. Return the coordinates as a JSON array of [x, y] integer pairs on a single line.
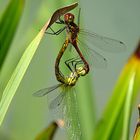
[[28, 115]]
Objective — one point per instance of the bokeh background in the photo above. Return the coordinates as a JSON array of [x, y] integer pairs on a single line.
[[28, 115]]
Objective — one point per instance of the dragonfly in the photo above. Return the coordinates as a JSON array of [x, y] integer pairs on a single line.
[[76, 68], [74, 36], [66, 99]]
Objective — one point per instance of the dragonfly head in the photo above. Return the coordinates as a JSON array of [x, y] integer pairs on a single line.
[[68, 18], [81, 71]]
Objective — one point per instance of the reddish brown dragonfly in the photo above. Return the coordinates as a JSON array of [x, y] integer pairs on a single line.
[[75, 36]]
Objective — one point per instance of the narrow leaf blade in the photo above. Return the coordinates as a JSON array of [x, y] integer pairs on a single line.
[[8, 26]]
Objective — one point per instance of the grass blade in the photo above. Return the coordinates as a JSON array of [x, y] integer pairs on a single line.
[[127, 109], [8, 26]]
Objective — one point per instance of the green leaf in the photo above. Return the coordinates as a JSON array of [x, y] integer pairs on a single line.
[[48, 133], [8, 26], [24, 62], [127, 109], [115, 120], [18, 74]]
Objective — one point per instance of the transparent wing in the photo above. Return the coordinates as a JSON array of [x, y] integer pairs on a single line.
[[71, 115], [102, 42], [57, 101], [45, 91], [92, 57]]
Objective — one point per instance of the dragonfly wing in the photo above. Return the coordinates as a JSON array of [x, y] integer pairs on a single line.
[[92, 57], [45, 91], [102, 42], [57, 101]]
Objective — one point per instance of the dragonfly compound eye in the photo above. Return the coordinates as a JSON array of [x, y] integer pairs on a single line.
[[68, 18], [81, 71]]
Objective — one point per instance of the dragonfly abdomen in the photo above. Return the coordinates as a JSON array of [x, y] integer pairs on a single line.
[[59, 75]]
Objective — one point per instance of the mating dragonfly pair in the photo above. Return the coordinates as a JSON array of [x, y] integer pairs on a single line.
[[73, 35]]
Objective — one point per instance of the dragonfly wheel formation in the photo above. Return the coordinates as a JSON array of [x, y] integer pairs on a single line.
[[73, 33], [76, 70]]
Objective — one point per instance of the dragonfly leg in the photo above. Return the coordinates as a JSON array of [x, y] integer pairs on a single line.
[[67, 64], [73, 62], [72, 59], [56, 32], [60, 21], [77, 63]]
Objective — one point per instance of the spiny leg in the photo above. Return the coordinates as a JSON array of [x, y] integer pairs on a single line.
[[73, 62], [60, 21], [55, 32], [70, 61]]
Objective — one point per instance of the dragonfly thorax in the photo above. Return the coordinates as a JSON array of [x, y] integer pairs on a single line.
[[71, 28], [71, 79], [72, 31]]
